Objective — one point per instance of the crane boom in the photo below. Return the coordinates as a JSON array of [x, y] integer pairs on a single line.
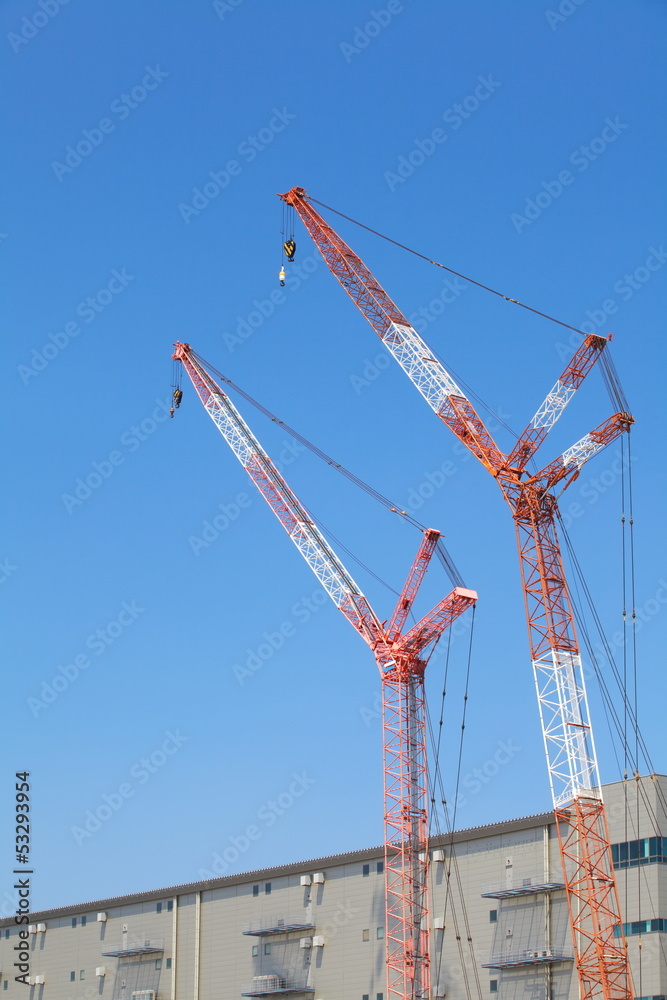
[[400, 660], [600, 950]]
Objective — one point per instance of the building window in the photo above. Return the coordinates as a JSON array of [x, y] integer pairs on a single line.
[[73, 921], [379, 933], [82, 973], [72, 977], [255, 950], [5, 984], [158, 908], [642, 927], [83, 921], [158, 963], [170, 904], [7, 933], [493, 986], [366, 934], [255, 890], [366, 870], [267, 888], [379, 867], [379, 996], [267, 949], [167, 964], [493, 916], [646, 851], [364, 996]]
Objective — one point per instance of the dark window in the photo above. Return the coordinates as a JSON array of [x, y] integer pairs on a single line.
[[493, 916], [267, 888], [73, 921], [255, 890], [379, 996], [72, 977], [267, 949], [366, 870], [7, 933], [168, 963], [380, 867], [83, 921], [158, 907], [5, 984], [364, 996], [170, 904], [493, 986]]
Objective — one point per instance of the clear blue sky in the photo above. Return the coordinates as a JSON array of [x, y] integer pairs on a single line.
[[106, 265]]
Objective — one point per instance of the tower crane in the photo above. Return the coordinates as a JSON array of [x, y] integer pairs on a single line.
[[401, 656], [600, 950]]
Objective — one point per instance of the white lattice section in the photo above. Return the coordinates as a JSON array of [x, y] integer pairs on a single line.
[[553, 406], [580, 452], [567, 734], [314, 548], [426, 372]]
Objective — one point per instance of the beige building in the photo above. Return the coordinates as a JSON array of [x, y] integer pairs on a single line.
[[315, 930]]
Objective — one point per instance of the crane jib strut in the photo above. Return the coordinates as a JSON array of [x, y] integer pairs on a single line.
[[600, 949], [401, 658]]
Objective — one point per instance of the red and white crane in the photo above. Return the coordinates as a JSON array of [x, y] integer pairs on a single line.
[[401, 658], [600, 950]]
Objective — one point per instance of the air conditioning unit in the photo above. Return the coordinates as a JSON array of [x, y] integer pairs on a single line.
[[306, 880], [318, 878], [41, 928], [306, 942], [100, 970], [144, 994], [438, 923], [38, 981], [32, 928], [318, 941], [101, 918], [438, 856]]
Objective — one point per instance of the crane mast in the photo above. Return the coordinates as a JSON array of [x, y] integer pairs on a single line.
[[401, 659], [600, 950]]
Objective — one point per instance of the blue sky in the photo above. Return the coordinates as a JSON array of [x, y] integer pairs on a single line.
[[521, 144]]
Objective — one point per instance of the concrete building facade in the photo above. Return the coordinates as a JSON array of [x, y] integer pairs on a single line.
[[314, 930]]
